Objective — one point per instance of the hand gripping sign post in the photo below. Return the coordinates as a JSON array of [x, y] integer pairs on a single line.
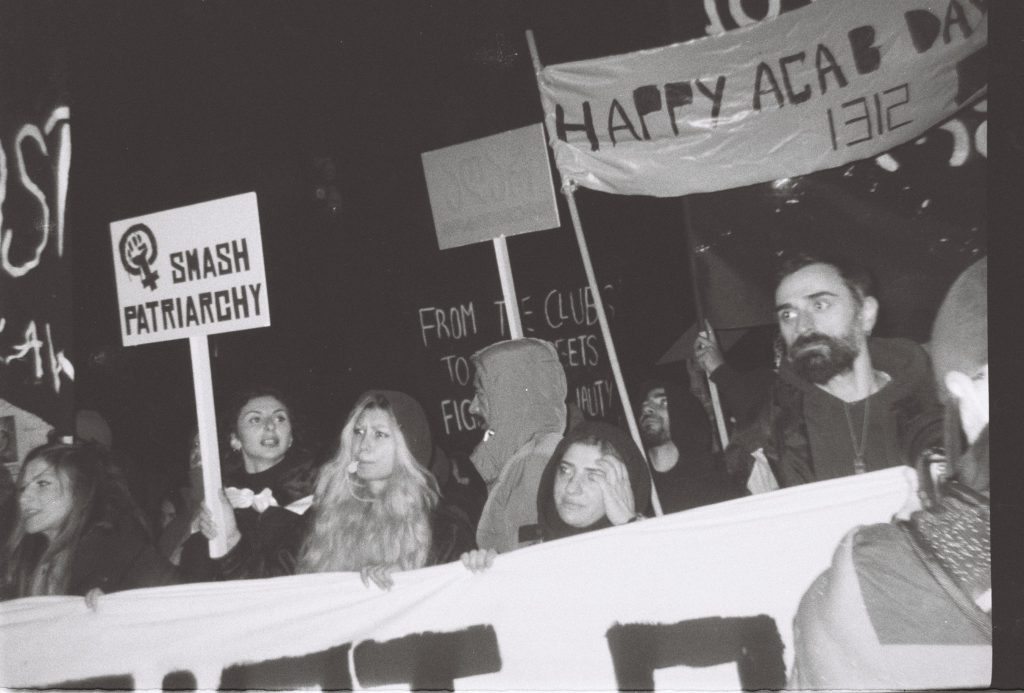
[[190, 272]]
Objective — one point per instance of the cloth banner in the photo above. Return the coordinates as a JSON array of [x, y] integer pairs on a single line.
[[830, 83], [698, 600]]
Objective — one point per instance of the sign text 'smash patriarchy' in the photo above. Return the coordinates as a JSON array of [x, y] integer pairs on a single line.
[[832, 82], [494, 186], [697, 600], [190, 271]]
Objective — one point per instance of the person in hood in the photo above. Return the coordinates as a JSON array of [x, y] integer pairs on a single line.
[[520, 398], [677, 435], [596, 478], [843, 402], [907, 604]]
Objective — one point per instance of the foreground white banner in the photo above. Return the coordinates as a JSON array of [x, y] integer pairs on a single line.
[[833, 82], [700, 600]]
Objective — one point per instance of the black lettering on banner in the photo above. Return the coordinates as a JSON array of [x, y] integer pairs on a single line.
[[764, 71], [638, 649], [825, 63], [924, 28], [562, 127], [627, 124], [327, 669], [428, 661], [805, 93], [866, 58], [181, 680], [677, 95], [867, 121], [115, 682], [647, 100], [715, 96], [955, 15]]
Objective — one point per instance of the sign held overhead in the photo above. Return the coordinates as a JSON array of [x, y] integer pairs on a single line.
[[190, 271], [495, 186]]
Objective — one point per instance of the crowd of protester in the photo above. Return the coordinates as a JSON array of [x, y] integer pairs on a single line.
[[386, 498]]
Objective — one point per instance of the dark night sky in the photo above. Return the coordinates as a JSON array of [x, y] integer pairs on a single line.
[[176, 103]]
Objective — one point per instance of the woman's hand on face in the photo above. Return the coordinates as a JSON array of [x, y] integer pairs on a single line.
[[379, 575], [209, 528], [616, 490], [479, 560]]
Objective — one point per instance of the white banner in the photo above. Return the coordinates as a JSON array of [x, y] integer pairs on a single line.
[[698, 600], [815, 88]]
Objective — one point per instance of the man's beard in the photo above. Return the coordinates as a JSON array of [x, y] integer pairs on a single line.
[[654, 436], [833, 356]]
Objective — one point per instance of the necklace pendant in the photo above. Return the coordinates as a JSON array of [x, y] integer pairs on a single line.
[[858, 465]]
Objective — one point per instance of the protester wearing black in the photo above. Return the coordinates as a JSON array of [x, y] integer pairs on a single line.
[[843, 402], [77, 529], [674, 426], [268, 477], [907, 604]]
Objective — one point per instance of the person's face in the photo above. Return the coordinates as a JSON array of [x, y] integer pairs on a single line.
[[44, 499], [654, 423], [373, 445], [480, 407], [578, 496], [263, 430], [821, 322]]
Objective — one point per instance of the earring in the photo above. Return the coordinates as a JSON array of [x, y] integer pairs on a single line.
[[235, 445]]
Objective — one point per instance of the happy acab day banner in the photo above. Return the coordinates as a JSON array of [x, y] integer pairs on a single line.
[[832, 82], [700, 600]]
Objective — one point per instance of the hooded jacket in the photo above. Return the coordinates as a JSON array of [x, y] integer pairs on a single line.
[[524, 386], [698, 477], [804, 432], [551, 524]]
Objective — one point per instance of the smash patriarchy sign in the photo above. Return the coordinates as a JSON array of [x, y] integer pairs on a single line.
[[815, 88], [691, 601], [190, 271]]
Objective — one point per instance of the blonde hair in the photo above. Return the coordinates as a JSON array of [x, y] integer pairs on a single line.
[[353, 528]]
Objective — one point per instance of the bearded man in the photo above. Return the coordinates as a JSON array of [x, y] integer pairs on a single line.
[[843, 402]]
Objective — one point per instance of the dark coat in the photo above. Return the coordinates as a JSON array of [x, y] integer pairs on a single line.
[[797, 452]]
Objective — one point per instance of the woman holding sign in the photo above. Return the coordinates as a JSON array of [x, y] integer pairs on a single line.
[[268, 479], [376, 505], [77, 529]]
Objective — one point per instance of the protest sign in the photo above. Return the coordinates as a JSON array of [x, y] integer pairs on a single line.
[[190, 271], [450, 331], [701, 600], [494, 186], [812, 89]]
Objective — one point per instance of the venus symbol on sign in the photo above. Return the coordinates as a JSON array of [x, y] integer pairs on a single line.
[[138, 252]]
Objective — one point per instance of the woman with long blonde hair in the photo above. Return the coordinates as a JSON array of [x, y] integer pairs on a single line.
[[372, 503], [375, 505]]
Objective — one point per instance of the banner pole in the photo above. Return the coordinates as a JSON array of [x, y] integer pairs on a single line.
[[691, 252], [206, 419], [508, 287], [602, 319]]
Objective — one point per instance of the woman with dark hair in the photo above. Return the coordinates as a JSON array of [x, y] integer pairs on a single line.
[[267, 476], [77, 528], [596, 478], [375, 507]]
